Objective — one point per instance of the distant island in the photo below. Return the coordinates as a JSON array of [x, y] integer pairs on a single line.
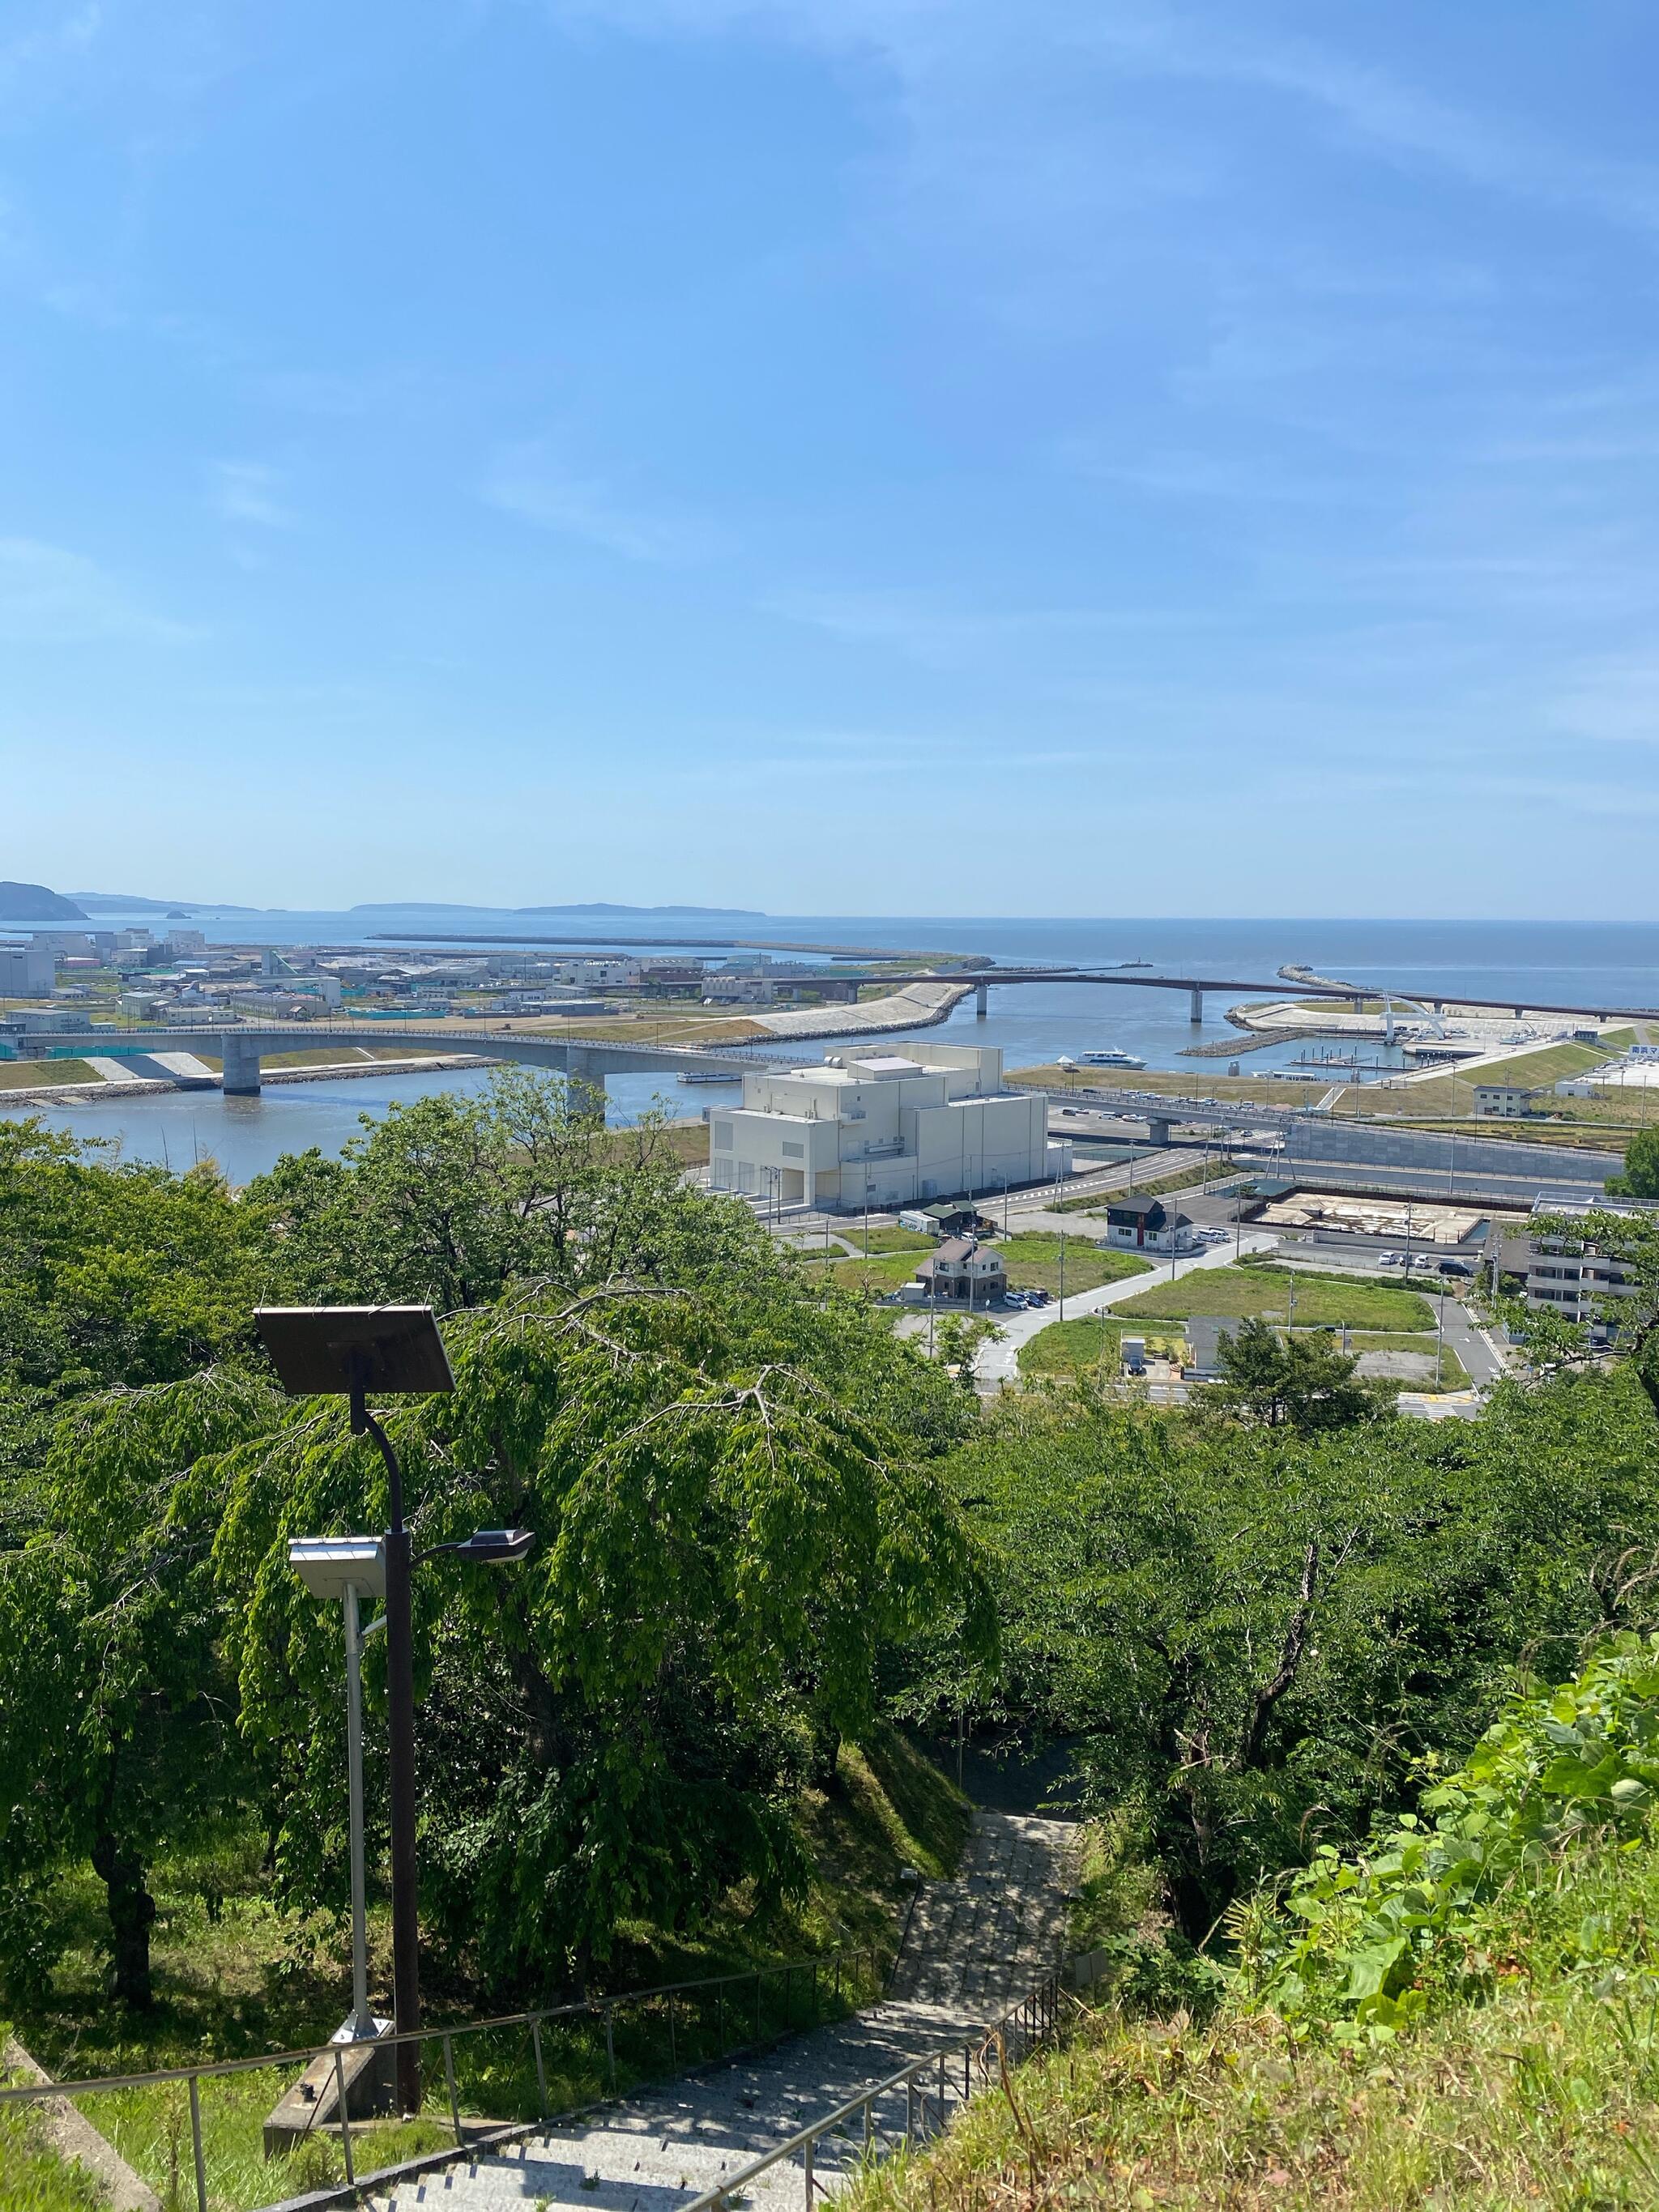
[[590, 906], [34, 902], [129, 902]]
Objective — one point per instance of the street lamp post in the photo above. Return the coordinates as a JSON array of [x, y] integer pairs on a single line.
[[393, 1351]]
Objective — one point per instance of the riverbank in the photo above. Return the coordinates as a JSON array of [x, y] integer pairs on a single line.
[[330, 1071]]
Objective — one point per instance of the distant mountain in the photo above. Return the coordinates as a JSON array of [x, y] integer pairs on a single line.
[[603, 906], [128, 903], [34, 902]]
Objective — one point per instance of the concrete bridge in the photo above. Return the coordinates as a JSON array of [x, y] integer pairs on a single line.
[[584, 1060]]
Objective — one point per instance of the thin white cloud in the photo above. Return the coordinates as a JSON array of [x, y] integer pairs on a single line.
[[531, 482], [933, 47], [51, 596], [248, 492], [1616, 703]]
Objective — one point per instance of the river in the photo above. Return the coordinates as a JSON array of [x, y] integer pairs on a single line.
[[1590, 964]]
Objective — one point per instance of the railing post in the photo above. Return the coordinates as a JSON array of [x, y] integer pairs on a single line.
[[941, 2092], [340, 2106], [807, 2163], [449, 2076], [869, 2123], [541, 2064], [610, 2045], [196, 2142]]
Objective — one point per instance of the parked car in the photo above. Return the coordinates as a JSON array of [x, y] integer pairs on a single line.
[[1388, 1259], [1456, 1267], [1036, 1298], [1013, 1297]]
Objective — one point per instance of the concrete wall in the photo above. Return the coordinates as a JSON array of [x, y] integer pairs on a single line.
[[1309, 1140]]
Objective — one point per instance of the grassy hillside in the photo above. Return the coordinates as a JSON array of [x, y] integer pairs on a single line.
[[1466, 2014]]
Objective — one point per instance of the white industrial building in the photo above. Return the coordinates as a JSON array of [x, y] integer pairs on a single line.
[[883, 1130], [27, 971]]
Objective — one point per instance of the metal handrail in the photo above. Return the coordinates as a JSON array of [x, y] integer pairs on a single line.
[[1037, 2019], [589, 2007]]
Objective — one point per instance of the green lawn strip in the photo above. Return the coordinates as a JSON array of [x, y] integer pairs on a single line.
[[1071, 1347], [887, 1240], [1231, 1293], [37, 1074], [1032, 1259]]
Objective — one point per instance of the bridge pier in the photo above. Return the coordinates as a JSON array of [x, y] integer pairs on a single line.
[[241, 1057], [1195, 1009], [1158, 1132], [584, 1072], [982, 1000]]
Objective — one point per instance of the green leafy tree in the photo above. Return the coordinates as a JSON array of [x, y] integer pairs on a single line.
[[726, 1533], [118, 1734], [1293, 1382], [1641, 1176], [451, 1198], [1250, 1633]]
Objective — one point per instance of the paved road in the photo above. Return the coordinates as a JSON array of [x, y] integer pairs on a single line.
[[999, 1361], [974, 1945]]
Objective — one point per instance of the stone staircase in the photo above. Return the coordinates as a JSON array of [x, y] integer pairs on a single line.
[[973, 1947]]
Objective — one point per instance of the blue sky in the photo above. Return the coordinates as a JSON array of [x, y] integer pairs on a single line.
[[832, 455]]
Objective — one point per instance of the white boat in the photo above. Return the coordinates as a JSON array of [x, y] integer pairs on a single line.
[[1111, 1057]]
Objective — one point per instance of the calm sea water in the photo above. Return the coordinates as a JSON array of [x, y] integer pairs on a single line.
[[1586, 964]]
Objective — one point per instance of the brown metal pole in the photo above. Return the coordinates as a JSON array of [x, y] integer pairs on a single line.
[[400, 1708]]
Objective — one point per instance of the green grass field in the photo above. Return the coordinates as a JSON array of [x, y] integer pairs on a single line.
[[880, 1274], [1232, 1293], [1032, 1259], [1073, 1347], [31, 1074]]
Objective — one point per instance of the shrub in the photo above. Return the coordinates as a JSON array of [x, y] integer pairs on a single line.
[[1365, 1945]]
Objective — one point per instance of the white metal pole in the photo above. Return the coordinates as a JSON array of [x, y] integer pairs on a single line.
[[362, 2020]]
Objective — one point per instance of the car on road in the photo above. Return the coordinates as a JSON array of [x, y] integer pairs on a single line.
[[1388, 1259]]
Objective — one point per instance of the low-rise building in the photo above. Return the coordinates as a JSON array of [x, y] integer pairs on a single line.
[[963, 1272], [1147, 1224], [883, 1129], [1501, 1102], [1572, 1276]]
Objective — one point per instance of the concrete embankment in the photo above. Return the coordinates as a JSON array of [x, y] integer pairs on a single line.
[[913, 1006], [63, 1094]]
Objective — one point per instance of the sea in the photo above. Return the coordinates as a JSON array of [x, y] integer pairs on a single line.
[[1598, 965]]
